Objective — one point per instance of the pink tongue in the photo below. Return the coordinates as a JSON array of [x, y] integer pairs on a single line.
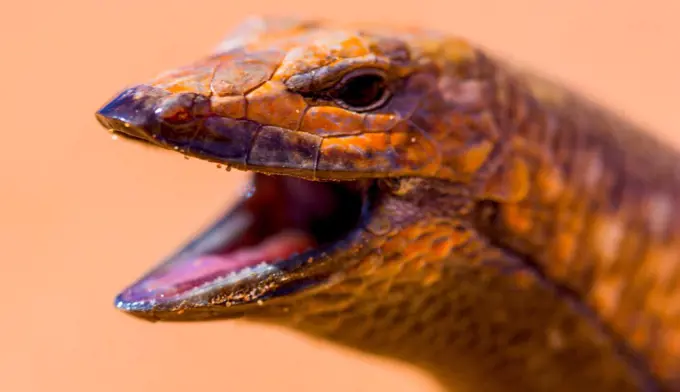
[[185, 274]]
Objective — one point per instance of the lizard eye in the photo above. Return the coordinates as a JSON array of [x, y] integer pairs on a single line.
[[362, 90]]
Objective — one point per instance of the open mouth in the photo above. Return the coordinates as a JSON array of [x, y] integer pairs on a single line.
[[277, 239], [280, 221]]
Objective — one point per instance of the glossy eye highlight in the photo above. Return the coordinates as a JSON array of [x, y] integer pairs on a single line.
[[362, 90]]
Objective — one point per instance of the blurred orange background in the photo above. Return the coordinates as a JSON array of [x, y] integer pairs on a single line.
[[81, 216]]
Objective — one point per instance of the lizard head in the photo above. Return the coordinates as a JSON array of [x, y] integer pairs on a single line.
[[347, 131]]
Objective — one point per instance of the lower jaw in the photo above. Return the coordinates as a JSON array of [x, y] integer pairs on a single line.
[[176, 289]]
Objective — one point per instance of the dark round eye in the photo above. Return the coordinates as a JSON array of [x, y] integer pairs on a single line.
[[362, 90]]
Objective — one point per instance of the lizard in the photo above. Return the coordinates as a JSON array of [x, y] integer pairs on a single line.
[[415, 196]]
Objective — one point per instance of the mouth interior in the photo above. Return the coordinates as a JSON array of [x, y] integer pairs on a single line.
[[279, 217]]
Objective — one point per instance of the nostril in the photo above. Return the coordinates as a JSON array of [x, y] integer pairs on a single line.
[[180, 109], [176, 109]]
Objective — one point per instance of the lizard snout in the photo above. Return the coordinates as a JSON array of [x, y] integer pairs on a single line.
[[132, 113]]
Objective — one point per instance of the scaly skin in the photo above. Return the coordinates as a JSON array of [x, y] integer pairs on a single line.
[[526, 240]]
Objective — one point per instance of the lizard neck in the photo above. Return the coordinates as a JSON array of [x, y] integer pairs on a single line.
[[433, 292], [600, 215]]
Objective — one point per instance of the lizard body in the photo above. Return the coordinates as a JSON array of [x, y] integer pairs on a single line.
[[512, 234]]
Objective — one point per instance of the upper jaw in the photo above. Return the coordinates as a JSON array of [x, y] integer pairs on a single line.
[[145, 113], [187, 123]]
